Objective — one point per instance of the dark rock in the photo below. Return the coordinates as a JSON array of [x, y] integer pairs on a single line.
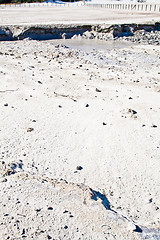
[[97, 90], [154, 126], [49, 237], [132, 111], [38, 210], [138, 229], [30, 129], [79, 168], [50, 208]]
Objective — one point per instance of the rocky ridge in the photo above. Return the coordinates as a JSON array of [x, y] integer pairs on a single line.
[[139, 33]]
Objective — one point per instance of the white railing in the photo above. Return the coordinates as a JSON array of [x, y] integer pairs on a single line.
[[115, 6], [45, 4], [130, 7]]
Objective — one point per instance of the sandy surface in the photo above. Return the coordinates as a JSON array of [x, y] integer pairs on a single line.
[[75, 15], [80, 142]]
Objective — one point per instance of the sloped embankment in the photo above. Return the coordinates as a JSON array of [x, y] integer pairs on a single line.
[[105, 32]]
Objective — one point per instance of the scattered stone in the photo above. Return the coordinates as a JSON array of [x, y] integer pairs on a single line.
[[6, 104], [30, 129], [65, 227], [79, 168], [65, 211], [154, 126], [98, 90], [87, 105], [49, 237], [50, 208], [137, 229], [104, 123], [4, 180], [38, 210], [132, 111], [39, 82]]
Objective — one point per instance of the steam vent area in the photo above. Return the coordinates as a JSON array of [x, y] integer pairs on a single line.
[[80, 120]]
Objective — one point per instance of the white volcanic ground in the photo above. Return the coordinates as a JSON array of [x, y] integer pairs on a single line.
[[80, 142]]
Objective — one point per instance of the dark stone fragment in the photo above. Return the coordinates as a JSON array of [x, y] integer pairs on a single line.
[[50, 208], [38, 210], [30, 129], [138, 229], [97, 90], [49, 237], [65, 211], [154, 126], [79, 168]]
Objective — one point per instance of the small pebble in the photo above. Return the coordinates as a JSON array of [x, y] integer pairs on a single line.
[[79, 168], [97, 90], [30, 129], [154, 126], [50, 208], [38, 210], [49, 237]]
